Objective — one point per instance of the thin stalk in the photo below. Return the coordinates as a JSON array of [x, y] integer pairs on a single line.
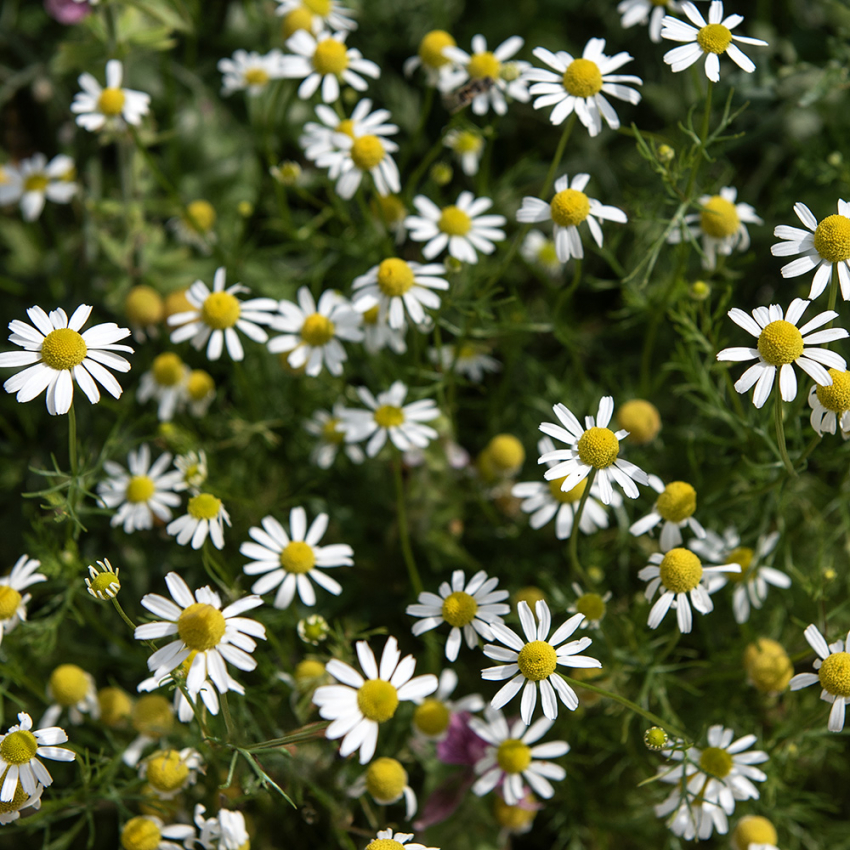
[[574, 532], [123, 615], [403, 531], [706, 118], [780, 433], [559, 152], [228, 719], [72, 440]]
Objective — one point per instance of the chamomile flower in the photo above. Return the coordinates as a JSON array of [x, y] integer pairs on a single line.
[[592, 605], [97, 107], [646, 11], [315, 15], [471, 360], [377, 333], [389, 840], [168, 772], [358, 706], [386, 781], [217, 636], [434, 713], [19, 751], [515, 756], [13, 603], [461, 227], [312, 334], [710, 38], [324, 60], [538, 249], [56, 354], [38, 181], [200, 392], [595, 447], [675, 507], [831, 405], [721, 222], [567, 210], [103, 582], [324, 137], [467, 146], [331, 438], [833, 675], [781, 344], [754, 832], [826, 248], [430, 57], [398, 287], [149, 831], [72, 688], [533, 662], [470, 608], [205, 515], [145, 492], [545, 500], [152, 718], [165, 382], [183, 706], [507, 77], [216, 315], [679, 574], [292, 560], [251, 72], [193, 471], [226, 831], [752, 582], [580, 85], [389, 417], [11, 811], [195, 226]]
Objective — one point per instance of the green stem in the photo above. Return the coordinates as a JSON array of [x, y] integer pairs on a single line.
[[228, 719], [559, 152], [72, 440], [780, 431], [706, 117], [403, 531], [574, 532], [123, 616]]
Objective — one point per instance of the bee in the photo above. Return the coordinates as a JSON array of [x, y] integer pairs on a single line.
[[462, 97]]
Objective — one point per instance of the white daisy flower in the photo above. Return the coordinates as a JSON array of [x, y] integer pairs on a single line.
[[675, 506], [200, 391], [57, 354], [752, 582], [216, 314], [389, 416], [103, 582], [35, 181], [467, 146], [11, 185], [680, 573], [533, 661], [434, 713], [324, 60], [319, 139], [580, 85], [690, 815], [592, 605], [292, 560], [193, 471], [389, 840], [205, 515], [359, 705], [149, 831], [568, 209], [831, 405], [397, 287], [722, 224], [226, 831], [833, 674], [19, 751], [168, 772], [21, 800], [195, 226], [781, 344], [514, 756], [538, 249], [470, 360], [595, 447], [507, 77], [165, 382], [646, 11], [13, 603], [182, 706], [547, 500], [430, 57], [251, 72], [145, 492], [460, 226], [152, 717], [754, 832], [386, 781], [315, 15], [72, 688], [468, 607], [706, 38], [826, 248], [378, 335], [218, 636], [328, 428], [110, 107], [312, 333]]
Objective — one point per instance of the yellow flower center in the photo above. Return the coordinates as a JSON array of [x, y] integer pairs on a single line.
[[483, 65], [834, 674], [677, 502], [768, 665], [140, 833], [167, 369], [716, 762], [780, 343], [167, 771], [537, 660], [63, 349], [220, 310], [454, 222], [36, 183], [298, 557], [317, 330], [513, 817], [69, 684], [106, 583], [392, 209], [9, 601], [346, 126], [459, 609], [714, 38], [592, 605], [467, 142], [17, 802], [370, 317], [330, 57], [201, 626], [395, 277], [153, 716], [367, 152], [384, 844], [18, 747], [582, 78], [641, 419], [832, 238], [331, 432], [530, 595], [506, 452], [513, 756], [256, 76], [385, 779], [681, 570], [656, 738], [308, 670], [837, 396], [740, 555], [377, 700], [719, 218], [201, 213], [204, 506], [318, 7], [547, 254], [569, 207], [598, 447], [176, 302], [200, 384], [144, 306], [754, 829], [571, 495], [111, 101], [297, 19], [140, 489], [431, 48], [388, 416], [432, 717], [115, 705]]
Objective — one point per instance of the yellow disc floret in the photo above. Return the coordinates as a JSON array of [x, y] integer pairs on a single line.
[[9, 601], [111, 101], [459, 609], [377, 700], [681, 570], [385, 780], [18, 747], [395, 277], [153, 716], [200, 213], [308, 670], [598, 447], [256, 76], [69, 684], [482, 65], [513, 756], [330, 57], [317, 330], [677, 502], [454, 221], [199, 385], [582, 78], [144, 306], [115, 705], [768, 666], [298, 557], [592, 605], [105, 584], [743, 556], [719, 218], [140, 489], [140, 833], [167, 772], [322, 8], [220, 310], [388, 416], [655, 738], [63, 349], [201, 626], [431, 48], [837, 396], [641, 419], [370, 317], [168, 369], [18, 800], [530, 595], [331, 432], [297, 19], [514, 818], [36, 183], [467, 142], [570, 496], [432, 717], [834, 674], [204, 506], [506, 452], [714, 38], [176, 302], [716, 762], [384, 844], [537, 660], [832, 238], [569, 207], [367, 152], [753, 829], [780, 343]]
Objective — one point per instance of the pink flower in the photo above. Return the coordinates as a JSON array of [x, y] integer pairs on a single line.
[[67, 11], [461, 745]]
